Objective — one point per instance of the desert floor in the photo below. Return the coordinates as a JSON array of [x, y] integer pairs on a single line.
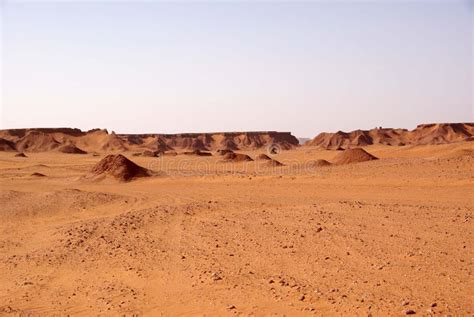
[[210, 238]]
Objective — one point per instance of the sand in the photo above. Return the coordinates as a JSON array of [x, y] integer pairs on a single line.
[[206, 237]]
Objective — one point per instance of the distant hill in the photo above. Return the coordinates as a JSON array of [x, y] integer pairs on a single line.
[[76, 141], [435, 133]]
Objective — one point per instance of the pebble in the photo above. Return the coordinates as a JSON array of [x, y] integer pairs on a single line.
[[216, 277]]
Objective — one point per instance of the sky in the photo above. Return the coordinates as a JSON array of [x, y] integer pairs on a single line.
[[204, 66]]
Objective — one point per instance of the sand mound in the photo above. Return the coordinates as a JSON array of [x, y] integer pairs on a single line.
[[319, 163], [6, 145], [36, 174], [273, 163], [237, 157], [198, 153], [268, 160], [263, 157], [224, 151], [119, 167], [20, 155], [355, 155], [147, 153], [70, 149]]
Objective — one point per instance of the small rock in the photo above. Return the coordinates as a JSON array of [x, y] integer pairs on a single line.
[[216, 277], [7, 309], [231, 307], [410, 312]]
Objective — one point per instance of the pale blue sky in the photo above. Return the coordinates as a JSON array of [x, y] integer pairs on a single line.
[[170, 67]]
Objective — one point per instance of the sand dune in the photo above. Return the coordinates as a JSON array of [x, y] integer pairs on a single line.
[[319, 163], [71, 149]]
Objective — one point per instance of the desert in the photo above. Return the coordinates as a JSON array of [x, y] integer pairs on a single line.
[[371, 222], [236, 158]]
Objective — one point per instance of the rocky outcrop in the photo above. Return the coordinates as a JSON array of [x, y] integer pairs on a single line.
[[7, 146], [47, 139], [440, 133]]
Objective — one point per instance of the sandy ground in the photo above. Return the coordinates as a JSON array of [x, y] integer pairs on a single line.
[[210, 238]]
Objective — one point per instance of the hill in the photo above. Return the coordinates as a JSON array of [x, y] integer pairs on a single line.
[[439, 133], [97, 140]]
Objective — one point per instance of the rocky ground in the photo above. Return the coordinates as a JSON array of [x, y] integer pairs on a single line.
[[386, 237]]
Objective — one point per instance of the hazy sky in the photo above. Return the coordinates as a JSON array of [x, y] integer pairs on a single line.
[[170, 67]]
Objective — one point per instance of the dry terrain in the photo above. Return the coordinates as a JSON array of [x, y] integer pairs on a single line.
[[206, 236]]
